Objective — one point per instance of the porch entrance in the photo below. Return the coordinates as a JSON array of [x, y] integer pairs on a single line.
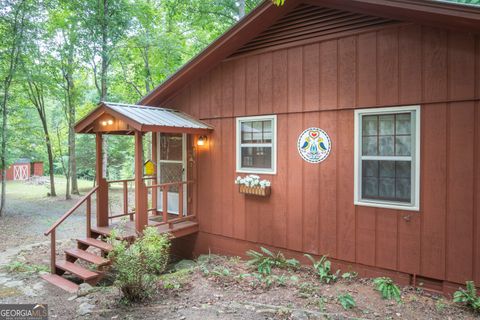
[[172, 167], [156, 197]]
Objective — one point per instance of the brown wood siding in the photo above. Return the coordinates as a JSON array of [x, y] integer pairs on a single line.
[[311, 207]]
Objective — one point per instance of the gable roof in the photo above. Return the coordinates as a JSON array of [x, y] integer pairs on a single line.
[[144, 119], [427, 12]]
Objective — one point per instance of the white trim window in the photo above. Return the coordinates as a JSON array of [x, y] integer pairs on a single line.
[[387, 157], [256, 144]]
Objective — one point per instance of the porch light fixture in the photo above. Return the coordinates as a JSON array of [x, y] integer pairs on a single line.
[[201, 140], [107, 122]]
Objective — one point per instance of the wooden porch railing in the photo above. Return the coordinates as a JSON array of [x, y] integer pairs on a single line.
[[52, 230], [126, 211], [165, 187]]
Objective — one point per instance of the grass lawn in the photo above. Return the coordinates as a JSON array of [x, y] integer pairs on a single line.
[[27, 191]]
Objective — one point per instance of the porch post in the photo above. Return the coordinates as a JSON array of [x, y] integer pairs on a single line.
[[102, 192], [154, 180], [141, 200]]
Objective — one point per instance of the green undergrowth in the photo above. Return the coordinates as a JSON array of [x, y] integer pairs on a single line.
[[23, 267]]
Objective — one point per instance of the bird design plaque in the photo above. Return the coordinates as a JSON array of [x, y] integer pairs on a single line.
[[314, 145]]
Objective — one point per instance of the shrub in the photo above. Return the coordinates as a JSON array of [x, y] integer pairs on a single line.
[[468, 296], [323, 268], [387, 288], [155, 248], [346, 301], [267, 260], [137, 265]]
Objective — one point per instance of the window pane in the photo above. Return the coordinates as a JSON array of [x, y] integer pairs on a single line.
[[386, 147], [369, 125], [403, 188], [403, 169], [386, 180], [387, 189], [256, 157], [370, 188], [369, 146], [267, 137], [257, 137], [171, 146], [403, 145], [267, 126], [403, 123], [387, 169], [370, 168], [246, 137], [246, 132], [387, 124]]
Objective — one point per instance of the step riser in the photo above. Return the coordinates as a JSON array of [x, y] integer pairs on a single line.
[[60, 282]]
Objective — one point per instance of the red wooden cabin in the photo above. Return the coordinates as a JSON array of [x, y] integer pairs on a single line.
[[394, 87]]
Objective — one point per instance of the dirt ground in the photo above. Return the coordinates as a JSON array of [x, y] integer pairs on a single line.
[[213, 287]]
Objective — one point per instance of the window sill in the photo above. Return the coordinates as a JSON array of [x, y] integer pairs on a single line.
[[256, 172], [387, 205]]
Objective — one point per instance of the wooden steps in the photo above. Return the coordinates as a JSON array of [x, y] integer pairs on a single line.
[[61, 282], [91, 242], [97, 261], [83, 273], [85, 256], [77, 270]]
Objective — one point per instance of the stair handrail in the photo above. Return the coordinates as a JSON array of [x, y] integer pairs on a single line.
[[72, 210], [52, 229]]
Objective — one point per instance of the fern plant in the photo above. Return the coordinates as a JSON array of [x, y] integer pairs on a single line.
[[387, 288], [347, 301], [468, 296], [323, 268], [266, 260]]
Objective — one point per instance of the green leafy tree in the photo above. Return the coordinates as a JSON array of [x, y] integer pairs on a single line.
[[14, 24]]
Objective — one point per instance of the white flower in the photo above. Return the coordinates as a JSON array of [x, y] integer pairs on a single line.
[[252, 181]]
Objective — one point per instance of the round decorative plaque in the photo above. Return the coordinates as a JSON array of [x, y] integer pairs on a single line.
[[314, 145]]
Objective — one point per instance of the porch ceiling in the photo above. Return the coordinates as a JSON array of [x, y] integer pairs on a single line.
[[119, 118]]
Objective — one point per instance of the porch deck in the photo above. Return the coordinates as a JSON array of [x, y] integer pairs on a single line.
[[178, 229]]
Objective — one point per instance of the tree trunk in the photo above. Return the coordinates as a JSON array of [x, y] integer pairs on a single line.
[[71, 123], [53, 193], [48, 143], [103, 73], [3, 160]]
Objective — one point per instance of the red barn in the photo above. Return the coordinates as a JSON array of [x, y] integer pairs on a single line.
[[364, 117]]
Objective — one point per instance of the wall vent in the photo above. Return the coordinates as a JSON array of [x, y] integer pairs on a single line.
[[307, 22]]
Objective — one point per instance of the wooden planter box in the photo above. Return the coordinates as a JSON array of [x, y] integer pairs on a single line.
[[256, 191]]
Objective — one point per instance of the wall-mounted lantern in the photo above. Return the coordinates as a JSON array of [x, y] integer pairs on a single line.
[[202, 140]]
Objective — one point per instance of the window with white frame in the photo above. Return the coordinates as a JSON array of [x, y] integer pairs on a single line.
[[387, 157], [256, 144]]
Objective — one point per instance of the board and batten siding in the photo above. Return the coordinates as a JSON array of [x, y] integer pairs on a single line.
[[311, 206]]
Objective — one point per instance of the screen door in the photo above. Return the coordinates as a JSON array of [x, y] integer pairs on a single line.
[[172, 168]]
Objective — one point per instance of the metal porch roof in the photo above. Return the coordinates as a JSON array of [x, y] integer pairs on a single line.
[[144, 118]]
